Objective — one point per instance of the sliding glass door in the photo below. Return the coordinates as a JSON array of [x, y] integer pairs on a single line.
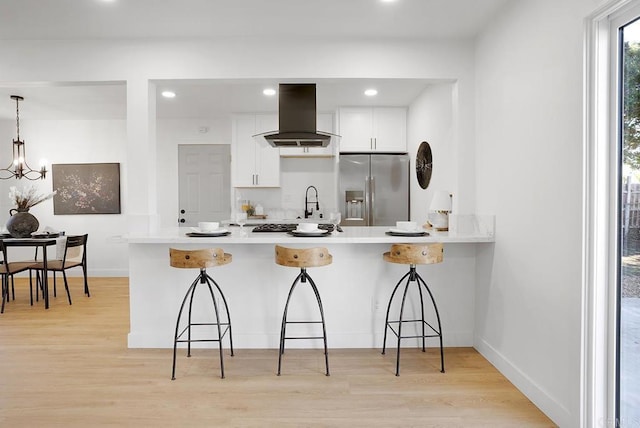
[[628, 350]]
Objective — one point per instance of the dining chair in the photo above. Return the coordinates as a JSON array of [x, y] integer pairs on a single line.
[[74, 255], [8, 269]]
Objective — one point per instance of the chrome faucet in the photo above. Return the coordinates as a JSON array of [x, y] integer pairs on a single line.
[[308, 213]]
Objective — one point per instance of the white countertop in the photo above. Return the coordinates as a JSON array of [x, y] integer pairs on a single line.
[[350, 235]]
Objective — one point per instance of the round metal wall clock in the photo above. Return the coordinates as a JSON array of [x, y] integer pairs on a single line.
[[424, 164]]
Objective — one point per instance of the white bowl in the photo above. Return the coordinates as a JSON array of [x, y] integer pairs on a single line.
[[406, 225], [307, 227], [208, 226]]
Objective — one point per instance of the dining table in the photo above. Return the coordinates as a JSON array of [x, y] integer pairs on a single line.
[[44, 243]]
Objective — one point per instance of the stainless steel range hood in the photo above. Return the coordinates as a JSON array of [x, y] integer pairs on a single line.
[[297, 118]]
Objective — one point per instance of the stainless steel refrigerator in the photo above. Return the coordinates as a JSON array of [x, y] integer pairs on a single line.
[[373, 189]]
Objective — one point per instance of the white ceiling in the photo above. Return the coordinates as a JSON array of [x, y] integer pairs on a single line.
[[87, 19], [81, 19]]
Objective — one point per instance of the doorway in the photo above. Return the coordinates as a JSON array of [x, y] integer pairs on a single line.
[[204, 183]]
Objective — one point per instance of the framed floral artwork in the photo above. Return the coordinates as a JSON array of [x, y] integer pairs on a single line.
[[86, 188]]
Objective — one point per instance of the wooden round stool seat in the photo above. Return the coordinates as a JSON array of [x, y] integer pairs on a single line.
[[415, 254], [303, 257], [193, 259], [201, 259]]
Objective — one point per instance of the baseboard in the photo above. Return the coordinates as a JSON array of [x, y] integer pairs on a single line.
[[541, 398]]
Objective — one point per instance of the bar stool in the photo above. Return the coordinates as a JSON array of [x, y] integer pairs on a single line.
[[413, 254], [303, 258], [201, 259]]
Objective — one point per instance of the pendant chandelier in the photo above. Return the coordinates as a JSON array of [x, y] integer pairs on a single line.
[[19, 168]]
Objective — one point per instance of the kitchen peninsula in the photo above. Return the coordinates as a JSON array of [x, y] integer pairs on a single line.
[[355, 288]]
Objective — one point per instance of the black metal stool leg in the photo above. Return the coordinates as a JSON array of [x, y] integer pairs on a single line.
[[404, 298], [386, 321], [215, 307], [176, 335], [199, 280], [303, 276], [424, 339], [226, 308], [283, 326], [439, 332], [413, 276], [324, 330]]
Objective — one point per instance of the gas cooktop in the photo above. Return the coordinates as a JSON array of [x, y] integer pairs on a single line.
[[287, 227]]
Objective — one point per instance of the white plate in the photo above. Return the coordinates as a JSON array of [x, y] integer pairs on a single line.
[[394, 230], [218, 230], [317, 232], [312, 231]]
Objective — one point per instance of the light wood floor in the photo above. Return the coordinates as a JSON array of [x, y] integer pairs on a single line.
[[70, 366]]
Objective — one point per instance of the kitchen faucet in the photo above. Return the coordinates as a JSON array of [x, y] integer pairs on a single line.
[[308, 213]]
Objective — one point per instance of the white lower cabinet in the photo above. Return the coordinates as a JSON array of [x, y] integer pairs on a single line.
[[254, 163]]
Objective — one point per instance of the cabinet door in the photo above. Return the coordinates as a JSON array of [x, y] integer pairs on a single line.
[[324, 122], [389, 129], [244, 152], [267, 157], [355, 129]]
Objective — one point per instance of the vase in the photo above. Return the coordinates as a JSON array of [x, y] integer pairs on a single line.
[[22, 223]]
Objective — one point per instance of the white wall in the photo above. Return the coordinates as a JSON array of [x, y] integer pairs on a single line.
[[529, 67], [171, 133], [430, 119], [74, 141]]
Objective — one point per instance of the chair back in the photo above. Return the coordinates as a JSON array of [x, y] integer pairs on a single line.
[[75, 249]]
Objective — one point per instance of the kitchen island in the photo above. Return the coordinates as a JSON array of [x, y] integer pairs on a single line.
[[355, 288]]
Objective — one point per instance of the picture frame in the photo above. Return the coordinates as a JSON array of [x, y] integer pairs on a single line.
[[86, 188]]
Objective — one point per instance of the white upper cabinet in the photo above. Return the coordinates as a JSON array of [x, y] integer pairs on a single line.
[[254, 163], [324, 122], [373, 129]]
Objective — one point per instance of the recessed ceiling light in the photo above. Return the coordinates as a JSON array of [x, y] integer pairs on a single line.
[[388, 1], [371, 92], [269, 92], [168, 94]]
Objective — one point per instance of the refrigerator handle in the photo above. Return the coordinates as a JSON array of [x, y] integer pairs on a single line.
[[372, 204], [367, 200]]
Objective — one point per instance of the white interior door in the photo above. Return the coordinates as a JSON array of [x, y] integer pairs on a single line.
[[204, 183]]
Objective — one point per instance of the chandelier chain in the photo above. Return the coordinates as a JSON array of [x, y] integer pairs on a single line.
[[18, 118]]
